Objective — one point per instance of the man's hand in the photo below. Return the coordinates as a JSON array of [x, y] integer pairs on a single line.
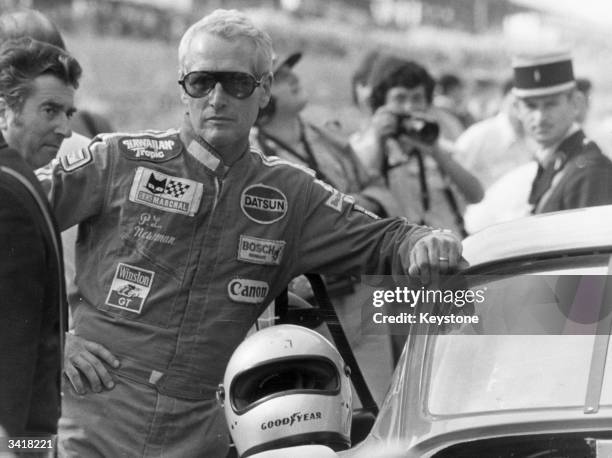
[[83, 357], [438, 253], [383, 123]]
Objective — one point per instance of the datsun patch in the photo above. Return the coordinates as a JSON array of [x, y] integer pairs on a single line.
[[75, 159], [260, 251], [165, 192], [263, 204], [247, 291], [150, 148], [130, 288]]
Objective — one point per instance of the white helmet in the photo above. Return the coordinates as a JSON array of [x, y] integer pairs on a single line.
[[286, 386]]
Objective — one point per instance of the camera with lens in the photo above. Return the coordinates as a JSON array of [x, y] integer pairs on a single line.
[[417, 127]]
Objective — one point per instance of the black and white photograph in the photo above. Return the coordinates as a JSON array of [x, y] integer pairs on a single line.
[[305, 228]]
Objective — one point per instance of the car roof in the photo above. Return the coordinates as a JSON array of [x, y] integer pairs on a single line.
[[559, 232]]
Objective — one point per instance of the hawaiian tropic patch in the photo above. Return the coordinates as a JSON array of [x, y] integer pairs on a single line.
[[166, 192], [75, 159], [247, 290], [150, 148], [263, 204], [130, 288], [260, 251]]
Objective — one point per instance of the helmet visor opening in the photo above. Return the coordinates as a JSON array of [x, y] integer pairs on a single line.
[[303, 375]]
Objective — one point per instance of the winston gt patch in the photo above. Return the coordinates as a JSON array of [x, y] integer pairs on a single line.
[[247, 290], [130, 288], [75, 159], [166, 192]]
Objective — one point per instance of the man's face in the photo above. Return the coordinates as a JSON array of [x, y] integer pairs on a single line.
[[219, 118], [288, 92], [547, 118], [37, 130], [403, 100]]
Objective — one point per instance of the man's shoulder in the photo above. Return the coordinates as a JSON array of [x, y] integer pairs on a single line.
[[278, 165]]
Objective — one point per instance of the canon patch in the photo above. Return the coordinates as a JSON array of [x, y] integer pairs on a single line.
[[166, 192], [260, 251], [263, 204], [130, 288], [150, 148], [247, 290]]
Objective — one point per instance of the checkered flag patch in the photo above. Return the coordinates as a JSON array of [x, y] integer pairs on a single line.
[[176, 188]]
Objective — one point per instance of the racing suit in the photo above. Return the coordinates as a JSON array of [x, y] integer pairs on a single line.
[[176, 256]]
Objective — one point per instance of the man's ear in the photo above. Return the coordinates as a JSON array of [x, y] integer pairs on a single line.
[[266, 92], [4, 114]]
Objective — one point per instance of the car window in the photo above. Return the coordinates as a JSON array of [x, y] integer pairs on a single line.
[[532, 347]]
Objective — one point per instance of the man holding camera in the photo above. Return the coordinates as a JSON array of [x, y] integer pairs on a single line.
[[401, 142]]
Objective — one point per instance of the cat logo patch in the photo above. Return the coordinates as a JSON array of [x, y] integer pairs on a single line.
[[166, 192], [130, 288]]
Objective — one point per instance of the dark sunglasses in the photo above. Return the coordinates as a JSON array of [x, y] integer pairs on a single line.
[[237, 84]]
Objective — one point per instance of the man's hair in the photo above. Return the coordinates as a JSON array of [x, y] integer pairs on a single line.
[[30, 23], [448, 82], [25, 59], [390, 71], [230, 25]]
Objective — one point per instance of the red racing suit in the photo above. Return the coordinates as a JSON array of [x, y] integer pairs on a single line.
[[178, 253]]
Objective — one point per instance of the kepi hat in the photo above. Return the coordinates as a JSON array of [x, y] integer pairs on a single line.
[[542, 74]]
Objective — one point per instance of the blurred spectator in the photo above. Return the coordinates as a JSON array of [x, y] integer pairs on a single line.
[[495, 145], [282, 132], [360, 90], [423, 177], [485, 98], [450, 97]]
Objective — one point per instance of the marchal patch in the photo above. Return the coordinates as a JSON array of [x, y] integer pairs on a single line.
[[150, 148], [166, 192], [263, 204]]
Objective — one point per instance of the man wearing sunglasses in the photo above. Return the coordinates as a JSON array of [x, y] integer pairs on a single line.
[[185, 236]]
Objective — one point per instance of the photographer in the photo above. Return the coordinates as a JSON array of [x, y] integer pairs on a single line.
[[401, 142]]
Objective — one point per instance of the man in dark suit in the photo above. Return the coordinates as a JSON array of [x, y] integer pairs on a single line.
[[37, 83], [572, 171]]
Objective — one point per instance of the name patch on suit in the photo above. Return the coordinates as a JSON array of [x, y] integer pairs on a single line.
[[130, 288], [263, 204], [260, 251], [166, 192], [247, 291]]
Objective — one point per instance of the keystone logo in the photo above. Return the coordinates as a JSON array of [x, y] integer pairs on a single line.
[[247, 290], [149, 149], [263, 204]]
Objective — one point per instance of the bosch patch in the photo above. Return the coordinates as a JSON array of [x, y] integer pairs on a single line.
[[263, 204], [75, 159], [247, 291], [260, 251], [150, 148], [130, 288], [165, 192]]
